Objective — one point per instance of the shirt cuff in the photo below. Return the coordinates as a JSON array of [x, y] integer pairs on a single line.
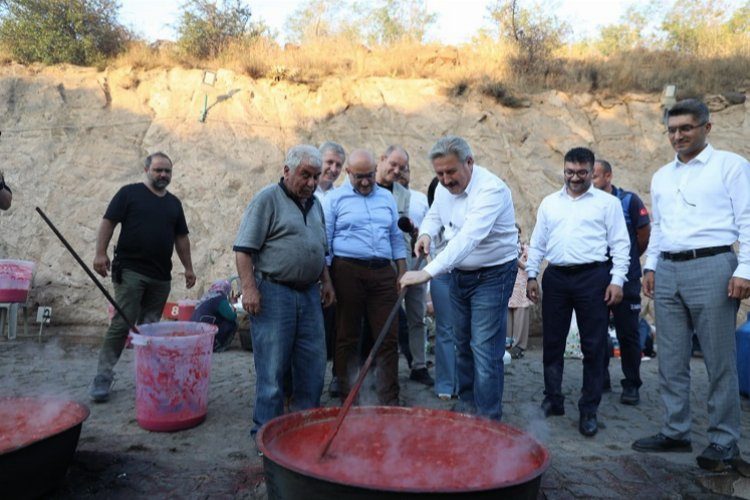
[[617, 280], [531, 274], [742, 271], [651, 263]]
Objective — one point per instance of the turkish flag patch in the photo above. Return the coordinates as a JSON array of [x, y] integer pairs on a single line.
[[644, 211]]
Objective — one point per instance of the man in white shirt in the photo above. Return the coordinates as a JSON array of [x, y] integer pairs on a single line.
[[475, 209], [333, 156], [701, 206], [574, 228]]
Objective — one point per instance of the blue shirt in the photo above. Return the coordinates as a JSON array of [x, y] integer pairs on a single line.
[[363, 227]]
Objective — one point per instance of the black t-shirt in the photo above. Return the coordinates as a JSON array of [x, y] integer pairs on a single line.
[[149, 226]]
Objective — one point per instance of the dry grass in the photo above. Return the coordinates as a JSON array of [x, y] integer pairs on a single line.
[[487, 66]]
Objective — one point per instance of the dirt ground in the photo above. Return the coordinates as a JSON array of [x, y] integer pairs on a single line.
[[117, 459]]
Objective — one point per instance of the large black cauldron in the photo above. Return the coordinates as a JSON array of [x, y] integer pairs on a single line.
[[391, 452], [38, 437]]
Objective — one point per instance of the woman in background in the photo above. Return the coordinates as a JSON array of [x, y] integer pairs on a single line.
[[518, 306], [214, 308]]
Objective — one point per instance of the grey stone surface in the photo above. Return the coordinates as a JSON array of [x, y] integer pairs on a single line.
[[118, 459]]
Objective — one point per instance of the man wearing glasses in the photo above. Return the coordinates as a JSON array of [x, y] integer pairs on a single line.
[[701, 207], [361, 221], [574, 228]]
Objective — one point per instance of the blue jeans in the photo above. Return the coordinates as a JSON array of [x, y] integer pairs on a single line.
[[480, 308], [288, 334], [445, 347]]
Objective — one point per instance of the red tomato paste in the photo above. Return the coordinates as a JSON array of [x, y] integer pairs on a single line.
[[24, 421]]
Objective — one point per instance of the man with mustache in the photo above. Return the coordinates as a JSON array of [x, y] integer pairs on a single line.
[[701, 207], [280, 252], [364, 239], [474, 208], [574, 228], [152, 226]]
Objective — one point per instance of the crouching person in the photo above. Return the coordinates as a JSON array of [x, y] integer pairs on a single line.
[[280, 251]]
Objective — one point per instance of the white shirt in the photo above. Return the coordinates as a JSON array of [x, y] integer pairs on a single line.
[[418, 207], [699, 204], [320, 194], [571, 231], [480, 225]]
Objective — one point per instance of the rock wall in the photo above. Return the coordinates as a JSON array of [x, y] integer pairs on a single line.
[[72, 136]]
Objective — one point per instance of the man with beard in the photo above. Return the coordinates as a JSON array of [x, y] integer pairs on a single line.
[[701, 207], [574, 228], [152, 226], [280, 251]]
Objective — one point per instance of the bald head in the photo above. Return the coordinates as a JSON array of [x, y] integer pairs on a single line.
[[360, 166]]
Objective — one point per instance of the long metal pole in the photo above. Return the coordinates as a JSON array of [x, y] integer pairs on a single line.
[[88, 271]]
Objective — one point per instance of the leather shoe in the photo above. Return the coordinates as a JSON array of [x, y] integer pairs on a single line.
[[549, 408], [630, 396], [662, 443], [587, 425]]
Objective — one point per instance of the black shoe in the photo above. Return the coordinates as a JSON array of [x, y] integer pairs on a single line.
[[717, 458], [630, 396], [587, 424], [662, 443], [549, 409], [516, 352], [422, 376]]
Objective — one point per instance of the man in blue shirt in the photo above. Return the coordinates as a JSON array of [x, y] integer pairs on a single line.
[[363, 240], [626, 313]]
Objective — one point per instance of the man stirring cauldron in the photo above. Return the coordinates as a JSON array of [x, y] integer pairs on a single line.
[[280, 251], [475, 209], [152, 225]]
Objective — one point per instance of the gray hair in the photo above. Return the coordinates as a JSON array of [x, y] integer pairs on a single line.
[[150, 158], [451, 145], [693, 107], [335, 147], [395, 147], [301, 153]]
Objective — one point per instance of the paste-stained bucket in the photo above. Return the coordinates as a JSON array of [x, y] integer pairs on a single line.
[[172, 373]]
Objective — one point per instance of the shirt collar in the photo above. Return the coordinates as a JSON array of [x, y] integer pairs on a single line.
[[307, 205], [473, 182], [702, 157], [589, 192]]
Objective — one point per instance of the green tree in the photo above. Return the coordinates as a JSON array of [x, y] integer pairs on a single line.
[[534, 31], [690, 25], [83, 32], [390, 21], [633, 30], [206, 27], [319, 19]]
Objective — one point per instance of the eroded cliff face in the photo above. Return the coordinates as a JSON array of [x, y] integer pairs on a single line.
[[73, 136]]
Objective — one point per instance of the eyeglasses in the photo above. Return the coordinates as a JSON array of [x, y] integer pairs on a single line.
[[580, 173], [688, 127], [360, 177]]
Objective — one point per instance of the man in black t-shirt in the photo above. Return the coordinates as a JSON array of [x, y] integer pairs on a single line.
[[626, 313], [152, 225]]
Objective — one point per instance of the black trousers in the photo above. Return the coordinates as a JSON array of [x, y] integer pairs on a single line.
[[626, 315], [563, 292]]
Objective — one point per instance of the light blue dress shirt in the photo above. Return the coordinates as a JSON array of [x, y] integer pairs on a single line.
[[363, 227]]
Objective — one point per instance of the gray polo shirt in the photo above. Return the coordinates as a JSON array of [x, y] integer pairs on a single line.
[[287, 241]]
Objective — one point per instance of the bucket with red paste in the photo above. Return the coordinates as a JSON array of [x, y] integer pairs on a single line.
[[15, 279], [392, 452], [172, 372]]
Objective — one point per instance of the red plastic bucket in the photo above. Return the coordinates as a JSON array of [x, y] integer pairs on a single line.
[[15, 279], [172, 373], [186, 309]]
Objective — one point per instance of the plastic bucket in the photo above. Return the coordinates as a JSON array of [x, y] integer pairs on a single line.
[[15, 279], [172, 372], [186, 309]]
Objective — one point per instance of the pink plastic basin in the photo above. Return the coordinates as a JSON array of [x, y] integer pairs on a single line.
[[172, 373]]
